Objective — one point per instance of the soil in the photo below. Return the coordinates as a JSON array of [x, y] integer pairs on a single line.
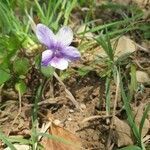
[[92, 133], [95, 133], [86, 92]]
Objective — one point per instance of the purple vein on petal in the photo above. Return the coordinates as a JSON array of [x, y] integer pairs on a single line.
[[45, 35], [59, 63], [65, 36], [46, 57], [71, 53]]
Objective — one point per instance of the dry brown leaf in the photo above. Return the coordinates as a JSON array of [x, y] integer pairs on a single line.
[[68, 137], [142, 77], [124, 46], [123, 132], [138, 112]]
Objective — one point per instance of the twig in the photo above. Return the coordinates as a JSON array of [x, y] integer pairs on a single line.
[[111, 146], [51, 90], [116, 97], [114, 112], [70, 96], [95, 117], [142, 48], [100, 116], [3, 119], [47, 101], [44, 128], [146, 139], [51, 85], [19, 112], [1, 92], [139, 65]]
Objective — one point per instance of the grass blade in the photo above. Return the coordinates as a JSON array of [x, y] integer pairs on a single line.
[[144, 117], [6, 141], [129, 113]]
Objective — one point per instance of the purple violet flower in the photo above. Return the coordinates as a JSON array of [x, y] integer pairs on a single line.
[[58, 52]]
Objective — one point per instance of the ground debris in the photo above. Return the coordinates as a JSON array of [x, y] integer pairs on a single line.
[[122, 132], [138, 114], [19, 147], [142, 76], [62, 139]]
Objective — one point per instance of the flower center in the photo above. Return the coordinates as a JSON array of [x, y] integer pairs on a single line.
[[57, 54]]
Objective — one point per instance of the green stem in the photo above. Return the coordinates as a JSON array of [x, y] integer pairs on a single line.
[[39, 8], [34, 135], [61, 12]]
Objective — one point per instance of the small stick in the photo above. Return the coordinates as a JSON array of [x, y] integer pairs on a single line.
[[47, 101], [1, 92], [141, 47], [51, 85], [44, 128], [70, 96], [95, 117], [99, 117], [19, 112], [116, 97], [114, 111], [51, 90], [146, 139]]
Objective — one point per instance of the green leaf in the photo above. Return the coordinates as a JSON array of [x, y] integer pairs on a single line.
[[129, 112], [65, 74], [133, 84], [145, 30], [104, 42], [21, 87], [147, 110], [19, 139], [6, 141], [108, 95], [13, 43], [21, 66], [131, 147], [4, 76], [47, 71], [84, 70], [70, 5]]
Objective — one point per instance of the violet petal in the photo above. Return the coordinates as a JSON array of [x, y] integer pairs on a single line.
[[64, 36], [59, 63], [46, 57], [45, 36], [71, 53]]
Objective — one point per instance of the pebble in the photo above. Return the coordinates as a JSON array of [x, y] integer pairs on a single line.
[[83, 106], [69, 119], [57, 122], [71, 110]]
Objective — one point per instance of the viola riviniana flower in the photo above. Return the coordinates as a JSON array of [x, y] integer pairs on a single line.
[[58, 52]]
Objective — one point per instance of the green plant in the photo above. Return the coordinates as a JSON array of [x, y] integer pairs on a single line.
[[18, 45], [113, 72]]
